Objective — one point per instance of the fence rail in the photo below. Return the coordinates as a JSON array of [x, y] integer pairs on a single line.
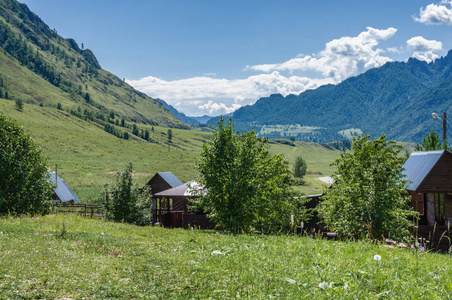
[[84, 210]]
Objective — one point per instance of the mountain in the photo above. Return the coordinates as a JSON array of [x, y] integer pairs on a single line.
[[181, 116], [203, 119], [396, 99], [37, 66]]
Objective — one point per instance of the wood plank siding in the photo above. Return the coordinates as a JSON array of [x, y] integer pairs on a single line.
[[439, 179]]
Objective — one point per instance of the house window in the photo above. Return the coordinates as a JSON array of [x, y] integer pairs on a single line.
[[439, 208]]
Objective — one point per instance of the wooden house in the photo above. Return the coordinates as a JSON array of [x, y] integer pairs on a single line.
[[430, 185], [173, 207], [429, 176], [162, 181]]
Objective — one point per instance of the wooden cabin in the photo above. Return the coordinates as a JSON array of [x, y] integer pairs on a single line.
[[173, 207], [430, 185], [162, 181]]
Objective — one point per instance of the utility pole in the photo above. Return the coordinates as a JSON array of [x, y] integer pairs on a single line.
[[444, 127]]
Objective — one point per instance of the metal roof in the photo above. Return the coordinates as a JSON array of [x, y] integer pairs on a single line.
[[418, 166], [62, 190], [188, 189], [170, 178]]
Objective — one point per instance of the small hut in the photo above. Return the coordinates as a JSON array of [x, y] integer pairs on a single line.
[[62, 192]]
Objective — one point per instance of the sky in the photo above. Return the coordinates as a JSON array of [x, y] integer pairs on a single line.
[[212, 57]]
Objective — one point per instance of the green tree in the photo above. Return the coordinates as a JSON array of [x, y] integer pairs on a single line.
[[19, 104], [59, 106], [431, 142], [368, 197], [24, 188], [300, 167], [170, 136], [123, 201], [247, 187]]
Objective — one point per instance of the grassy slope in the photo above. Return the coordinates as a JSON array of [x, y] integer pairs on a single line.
[[99, 260], [104, 88], [87, 156], [318, 160]]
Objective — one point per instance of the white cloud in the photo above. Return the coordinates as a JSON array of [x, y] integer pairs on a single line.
[[434, 14], [395, 50], [198, 95], [341, 58], [213, 108], [423, 49]]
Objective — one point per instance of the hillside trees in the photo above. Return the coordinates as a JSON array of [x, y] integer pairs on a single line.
[[300, 167], [368, 198], [24, 188], [247, 187], [431, 142]]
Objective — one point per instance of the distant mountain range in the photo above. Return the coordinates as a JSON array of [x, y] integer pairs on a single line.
[[37, 66], [396, 99]]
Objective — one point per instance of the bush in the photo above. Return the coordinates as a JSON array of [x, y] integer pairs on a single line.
[[248, 189], [123, 201], [300, 167], [368, 197], [24, 188]]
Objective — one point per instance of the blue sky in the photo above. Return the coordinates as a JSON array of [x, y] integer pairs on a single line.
[[211, 57]]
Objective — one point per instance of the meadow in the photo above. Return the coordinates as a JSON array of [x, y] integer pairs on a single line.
[[88, 157], [59, 256]]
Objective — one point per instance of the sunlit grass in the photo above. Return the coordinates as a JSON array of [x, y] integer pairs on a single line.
[[98, 259]]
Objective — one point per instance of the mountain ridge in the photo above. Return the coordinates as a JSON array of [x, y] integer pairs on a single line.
[[367, 101], [76, 78]]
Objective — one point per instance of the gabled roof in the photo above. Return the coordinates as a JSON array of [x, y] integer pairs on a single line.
[[418, 166], [188, 189], [170, 178], [62, 190]]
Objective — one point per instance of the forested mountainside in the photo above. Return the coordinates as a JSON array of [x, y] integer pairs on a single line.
[[396, 99], [40, 67]]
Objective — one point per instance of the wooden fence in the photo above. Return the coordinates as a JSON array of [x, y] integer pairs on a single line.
[[84, 210]]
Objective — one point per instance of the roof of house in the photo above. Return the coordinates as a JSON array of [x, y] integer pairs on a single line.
[[418, 166], [62, 190], [169, 177], [188, 189]]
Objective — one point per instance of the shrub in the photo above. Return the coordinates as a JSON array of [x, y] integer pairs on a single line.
[[123, 201], [300, 167], [368, 197], [24, 188], [247, 187]]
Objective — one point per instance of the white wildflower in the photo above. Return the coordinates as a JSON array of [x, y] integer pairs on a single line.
[[324, 285], [377, 257]]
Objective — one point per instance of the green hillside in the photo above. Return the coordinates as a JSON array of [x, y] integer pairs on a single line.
[[40, 67], [90, 123], [87, 156]]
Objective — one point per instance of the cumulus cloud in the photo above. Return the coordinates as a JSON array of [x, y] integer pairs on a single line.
[[436, 14], [423, 49], [205, 95], [341, 58]]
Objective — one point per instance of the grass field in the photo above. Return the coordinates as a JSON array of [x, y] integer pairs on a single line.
[[57, 257], [87, 156]]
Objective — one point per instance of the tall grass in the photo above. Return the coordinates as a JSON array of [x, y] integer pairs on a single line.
[[71, 257]]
